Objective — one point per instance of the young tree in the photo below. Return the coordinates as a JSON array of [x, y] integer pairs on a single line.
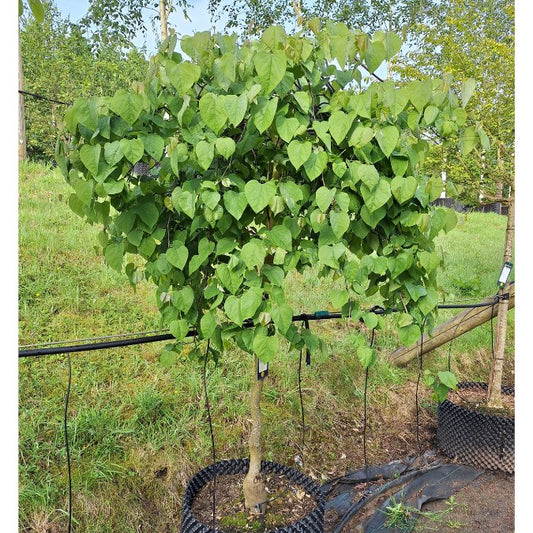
[[448, 43], [265, 158]]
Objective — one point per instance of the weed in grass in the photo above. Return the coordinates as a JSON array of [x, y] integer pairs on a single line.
[[405, 517], [400, 516]]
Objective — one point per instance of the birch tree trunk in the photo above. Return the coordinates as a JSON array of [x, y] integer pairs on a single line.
[[494, 398], [163, 15], [253, 487]]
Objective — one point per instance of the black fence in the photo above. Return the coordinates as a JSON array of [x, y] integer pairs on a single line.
[[494, 207]]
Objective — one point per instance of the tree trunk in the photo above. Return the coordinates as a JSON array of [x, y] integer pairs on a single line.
[[163, 15], [22, 122], [253, 487], [494, 398], [297, 7]]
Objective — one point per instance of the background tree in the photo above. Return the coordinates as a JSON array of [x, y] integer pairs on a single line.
[[476, 39], [250, 17], [57, 46], [37, 11], [469, 39], [120, 21]]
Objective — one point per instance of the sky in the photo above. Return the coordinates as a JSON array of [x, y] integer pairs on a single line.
[[198, 13]]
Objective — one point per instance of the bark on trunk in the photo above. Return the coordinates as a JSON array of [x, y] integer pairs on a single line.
[[163, 14], [494, 394], [253, 487], [22, 122]]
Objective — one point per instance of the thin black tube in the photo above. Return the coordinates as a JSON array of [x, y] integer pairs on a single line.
[[157, 338], [301, 402], [211, 433], [67, 396], [41, 97]]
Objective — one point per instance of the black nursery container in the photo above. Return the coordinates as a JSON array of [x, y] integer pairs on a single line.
[[312, 523], [474, 438]]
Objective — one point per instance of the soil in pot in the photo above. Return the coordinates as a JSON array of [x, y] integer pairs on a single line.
[[287, 504], [476, 400]]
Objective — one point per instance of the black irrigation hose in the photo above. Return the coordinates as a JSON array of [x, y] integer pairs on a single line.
[[97, 345], [319, 315], [41, 97]]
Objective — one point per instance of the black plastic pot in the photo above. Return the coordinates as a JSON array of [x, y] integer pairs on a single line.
[[474, 438], [312, 523]]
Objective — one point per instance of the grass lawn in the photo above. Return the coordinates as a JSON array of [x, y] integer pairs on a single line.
[[137, 431]]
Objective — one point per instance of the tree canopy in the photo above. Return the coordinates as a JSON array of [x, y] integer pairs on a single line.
[[263, 160]]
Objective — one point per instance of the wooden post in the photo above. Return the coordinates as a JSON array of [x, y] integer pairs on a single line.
[[21, 122], [494, 393], [456, 326]]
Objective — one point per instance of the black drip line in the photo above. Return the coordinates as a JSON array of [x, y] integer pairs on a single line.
[[41, 97], [67, 396], [211, 432], [305, 317]]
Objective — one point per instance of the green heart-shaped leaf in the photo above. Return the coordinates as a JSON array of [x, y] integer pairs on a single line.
[[213, 111], [127, 105], [90, 157], [340, 222], [235, 203], [316, 164], [235, 107], [133, 149], [299, 152], [265, 347], [324, 197], [404, 189], [258, 194], [205, 153], [387, 138]]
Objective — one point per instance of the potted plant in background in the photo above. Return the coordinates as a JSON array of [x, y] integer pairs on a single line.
[[476, 425], [266, 157]]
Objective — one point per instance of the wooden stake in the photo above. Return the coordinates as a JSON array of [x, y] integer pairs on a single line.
[[494, 393], [456, 326]]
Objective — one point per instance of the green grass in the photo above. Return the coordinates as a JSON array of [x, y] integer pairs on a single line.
[[129, 418]]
